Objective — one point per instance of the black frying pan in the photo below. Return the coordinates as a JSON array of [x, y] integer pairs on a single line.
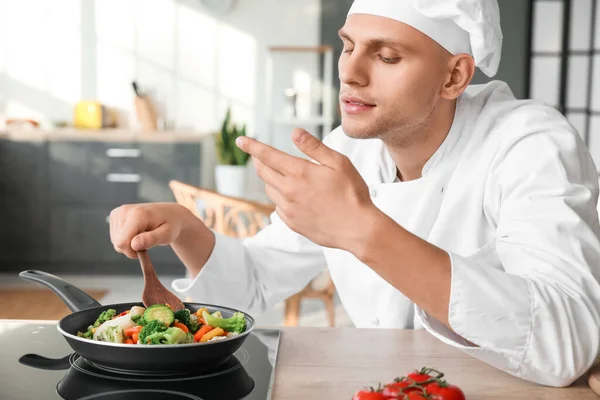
[[135, 359]]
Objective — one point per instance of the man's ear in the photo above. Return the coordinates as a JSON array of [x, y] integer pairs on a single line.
[[461, 69]]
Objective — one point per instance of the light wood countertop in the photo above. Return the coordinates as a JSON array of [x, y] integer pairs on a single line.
[[335, 363], [103, 135]]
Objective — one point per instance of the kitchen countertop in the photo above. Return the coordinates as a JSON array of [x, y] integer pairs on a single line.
[[335, 363], [103, 135]]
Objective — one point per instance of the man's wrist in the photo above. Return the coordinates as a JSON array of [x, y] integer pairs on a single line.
[[373, 223]]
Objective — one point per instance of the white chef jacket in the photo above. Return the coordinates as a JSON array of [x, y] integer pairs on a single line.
[[510, 194]]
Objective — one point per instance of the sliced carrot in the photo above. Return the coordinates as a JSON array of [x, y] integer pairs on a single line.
[[135, 337], [128, 341], [181, 326], [201, 332], [213, 333], [134, 329]]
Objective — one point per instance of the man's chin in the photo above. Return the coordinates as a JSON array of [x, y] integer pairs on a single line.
[[358, 130]]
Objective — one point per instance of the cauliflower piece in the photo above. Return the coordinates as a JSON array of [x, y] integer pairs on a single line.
[[113, 334], [123, 322]]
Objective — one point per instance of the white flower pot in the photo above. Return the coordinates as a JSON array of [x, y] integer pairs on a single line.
[[231, 180]]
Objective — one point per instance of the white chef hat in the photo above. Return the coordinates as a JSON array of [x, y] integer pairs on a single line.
[[460, 26]]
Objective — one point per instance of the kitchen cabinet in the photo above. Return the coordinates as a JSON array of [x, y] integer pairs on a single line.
[[57, 196], [24, 221]]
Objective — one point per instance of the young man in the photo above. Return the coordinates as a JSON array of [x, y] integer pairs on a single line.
[[458, 209]]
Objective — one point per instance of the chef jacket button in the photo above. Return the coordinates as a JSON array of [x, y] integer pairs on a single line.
[[373, 192], [375, 321]]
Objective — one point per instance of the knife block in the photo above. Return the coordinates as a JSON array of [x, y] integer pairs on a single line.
[[146, 114], [594, 378]]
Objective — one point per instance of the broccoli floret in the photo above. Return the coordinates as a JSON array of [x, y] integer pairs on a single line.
[[105, 316], [151, 328], [113, 334], [170, 336], [87, 335], [187, 319], [138, 320], [237, 322]]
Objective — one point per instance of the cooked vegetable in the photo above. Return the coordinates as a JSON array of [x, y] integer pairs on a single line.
[[185, 317], [132, 331], [105, 316], [170, 336], [150, 328], [159, 324], [201, 332], [123, 322], [89, 334], [236, 323], [159, 312], [113, 334], [181, 326], [211, 334], [137, 310]]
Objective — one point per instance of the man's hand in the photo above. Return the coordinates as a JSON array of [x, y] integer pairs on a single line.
[[328, 203]]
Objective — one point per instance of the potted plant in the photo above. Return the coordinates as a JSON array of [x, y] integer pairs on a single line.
[[231, 171]]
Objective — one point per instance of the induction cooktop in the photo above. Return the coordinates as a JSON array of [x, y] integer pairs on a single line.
[[37, 363]]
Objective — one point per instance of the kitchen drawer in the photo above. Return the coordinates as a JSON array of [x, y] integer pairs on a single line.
[[83, 172], [81, 234]]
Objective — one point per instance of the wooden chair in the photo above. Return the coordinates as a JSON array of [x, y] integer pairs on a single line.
[[241, 218]]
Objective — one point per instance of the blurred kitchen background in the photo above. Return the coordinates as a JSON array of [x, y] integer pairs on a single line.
[[106, 102]]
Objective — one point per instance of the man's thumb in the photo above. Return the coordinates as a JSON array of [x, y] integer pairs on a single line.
[[147, 240]]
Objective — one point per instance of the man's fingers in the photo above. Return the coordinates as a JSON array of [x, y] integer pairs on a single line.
[[277, 160], [315, 149], [267, 174]]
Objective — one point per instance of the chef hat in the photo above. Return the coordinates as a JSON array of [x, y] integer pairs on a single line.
[[460, 26]]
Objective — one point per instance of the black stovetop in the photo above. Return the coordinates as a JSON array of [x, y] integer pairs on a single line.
[[249, 374]]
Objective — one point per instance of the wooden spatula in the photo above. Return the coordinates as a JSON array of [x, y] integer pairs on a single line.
[[154, 291]]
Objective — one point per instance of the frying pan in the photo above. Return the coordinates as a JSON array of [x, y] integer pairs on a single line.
[[135, 359]]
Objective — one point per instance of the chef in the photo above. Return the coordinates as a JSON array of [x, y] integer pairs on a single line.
[[436, 204]]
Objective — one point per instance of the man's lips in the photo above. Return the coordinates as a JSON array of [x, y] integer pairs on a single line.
[[355, 105], [356, 101]]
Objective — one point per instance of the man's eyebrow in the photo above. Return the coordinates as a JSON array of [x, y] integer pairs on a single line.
[[377, 42]]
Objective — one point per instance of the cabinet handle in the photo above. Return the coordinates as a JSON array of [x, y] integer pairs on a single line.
[[124, 178], [123, 153]]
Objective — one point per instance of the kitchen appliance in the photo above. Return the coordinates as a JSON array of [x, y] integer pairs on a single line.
[[37, 363]]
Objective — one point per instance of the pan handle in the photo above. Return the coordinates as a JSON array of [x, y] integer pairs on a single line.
[[41, 362], [75, 298]]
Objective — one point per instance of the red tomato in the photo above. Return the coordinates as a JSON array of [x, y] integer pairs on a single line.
[[418, 377], [369, 395], [445, 391], [424, 374], [399, 387], [420, 396]]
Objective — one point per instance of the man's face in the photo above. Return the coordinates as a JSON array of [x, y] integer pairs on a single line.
[[391, 76]]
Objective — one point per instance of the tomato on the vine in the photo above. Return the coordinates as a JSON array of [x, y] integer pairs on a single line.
[[445, 390]]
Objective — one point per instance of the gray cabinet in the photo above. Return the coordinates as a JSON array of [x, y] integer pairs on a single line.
[[57, 198], [24, 218]]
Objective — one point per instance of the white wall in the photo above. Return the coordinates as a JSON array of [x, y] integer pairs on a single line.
[[55, 53]]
